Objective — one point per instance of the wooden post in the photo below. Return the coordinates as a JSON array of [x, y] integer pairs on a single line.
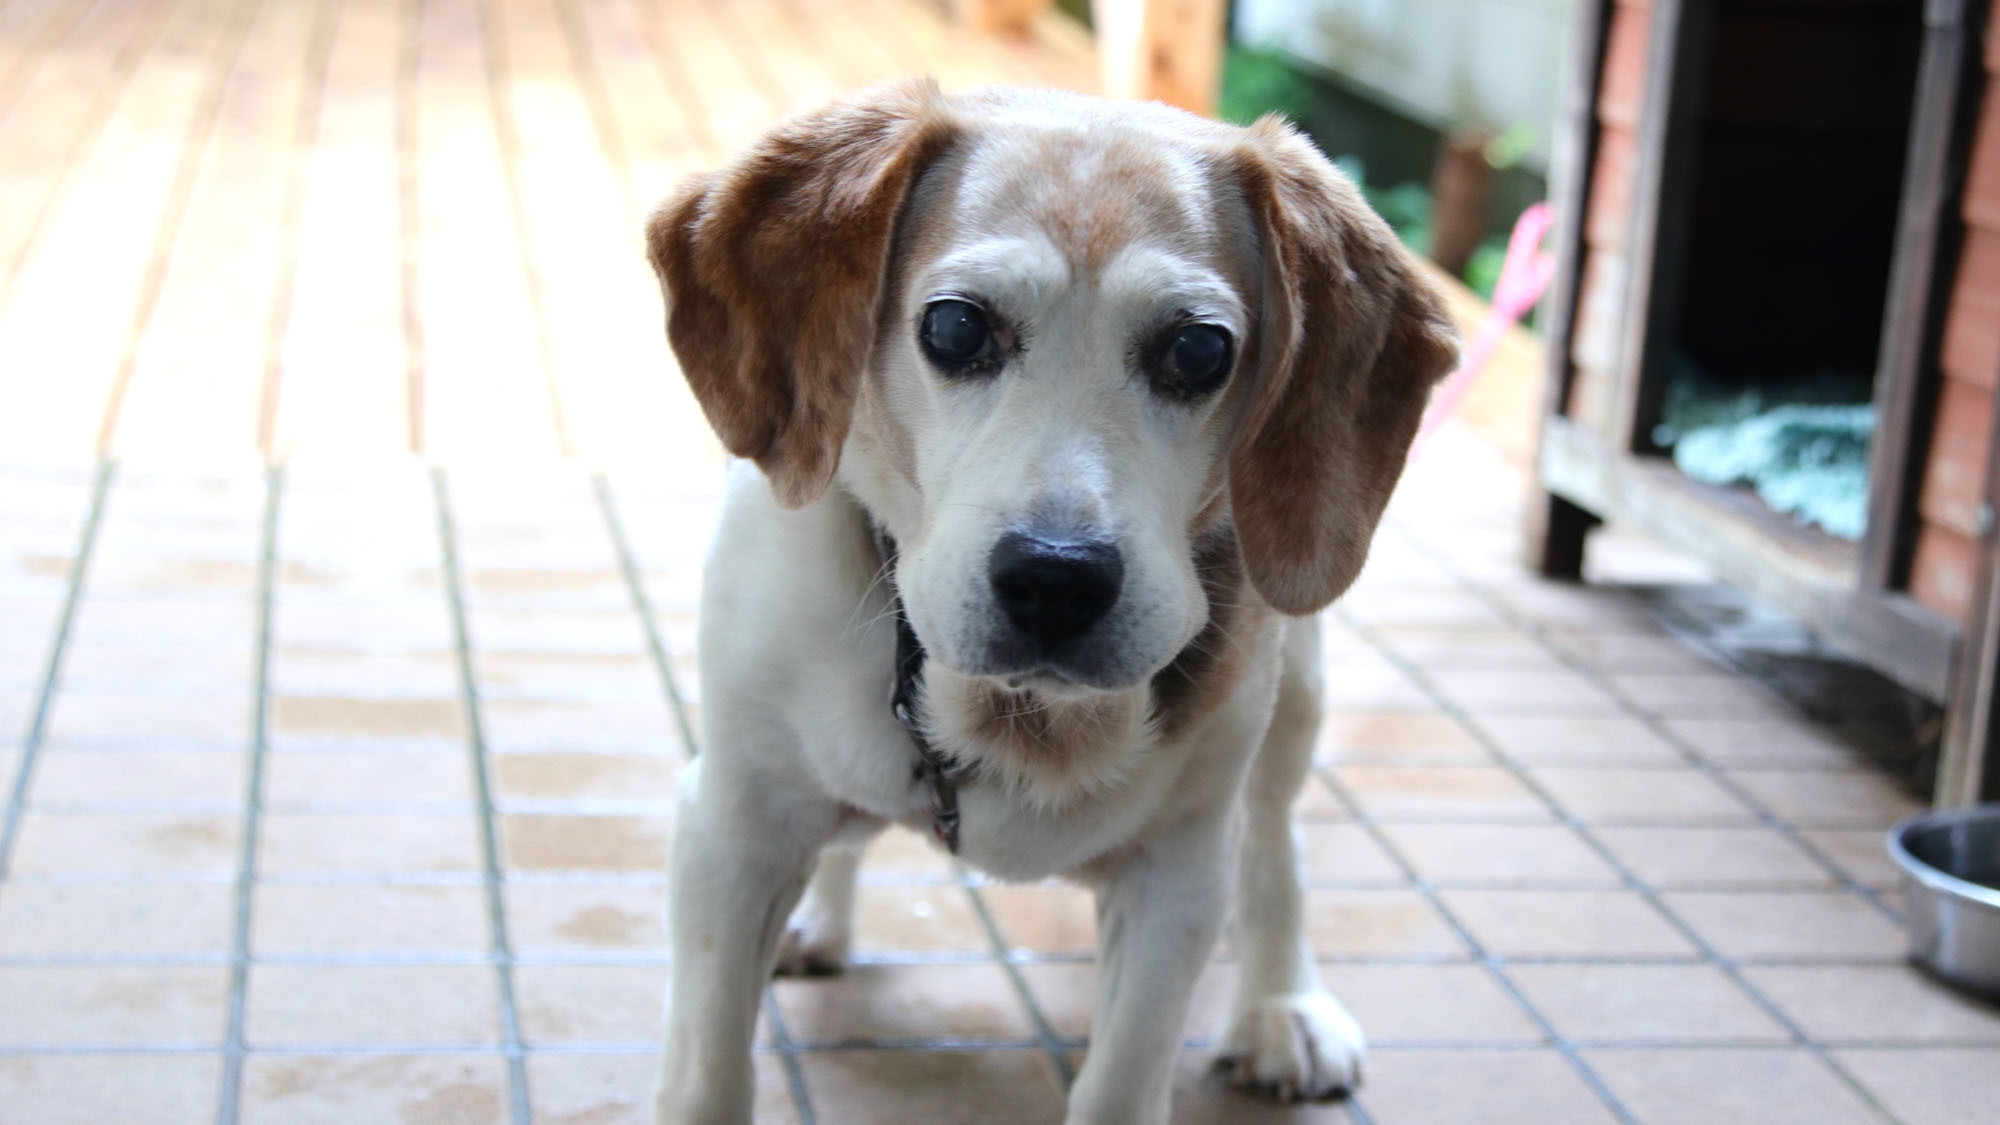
[[1162, 50]]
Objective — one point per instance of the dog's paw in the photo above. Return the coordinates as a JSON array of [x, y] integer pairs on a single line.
[[812, 949], [1299, 1047]]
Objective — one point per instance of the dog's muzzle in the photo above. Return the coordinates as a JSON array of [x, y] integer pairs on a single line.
[[1052, 590]]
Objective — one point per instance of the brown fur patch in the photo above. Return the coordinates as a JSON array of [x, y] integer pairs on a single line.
[[1351, 341], [773, 274], [1204, 673]]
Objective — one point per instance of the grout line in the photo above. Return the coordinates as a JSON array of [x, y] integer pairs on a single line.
[[1051, 1043], [507, 134], [291, 222], [192, 150], [38, 724], [1480, 954], [229, 1105], [1632, 883], [104, 103], [409, 218], [489, 841], [788, 1056], [655, 644]]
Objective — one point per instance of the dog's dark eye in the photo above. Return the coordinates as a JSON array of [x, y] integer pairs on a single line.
[[956, 336], [1196, 360]]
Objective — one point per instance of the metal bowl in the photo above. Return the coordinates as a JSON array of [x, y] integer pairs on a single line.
[[1951, 881]]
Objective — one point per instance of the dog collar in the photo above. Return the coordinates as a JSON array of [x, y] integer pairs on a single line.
[[930, 766]]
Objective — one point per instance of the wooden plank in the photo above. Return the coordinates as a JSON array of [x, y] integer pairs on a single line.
[[1982, 177], [1161, 50], [1971, 348], [198, 370], [795, 76], [1803, 572], [1954, 483], [340, 390], [1906, 381], [707, 73], [1969, 766], [29, 34], [1622, 92], [1677, 44], [661, 144], [67, 326], [1944, 570]]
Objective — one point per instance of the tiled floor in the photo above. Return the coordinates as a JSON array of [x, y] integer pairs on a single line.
[[337, 790]]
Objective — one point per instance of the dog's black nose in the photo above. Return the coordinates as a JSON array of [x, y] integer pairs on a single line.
[[1053, 590]]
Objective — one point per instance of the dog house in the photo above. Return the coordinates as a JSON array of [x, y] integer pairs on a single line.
[[1779, 262]]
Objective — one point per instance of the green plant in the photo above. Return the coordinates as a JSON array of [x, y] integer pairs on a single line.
[[1256, 82]]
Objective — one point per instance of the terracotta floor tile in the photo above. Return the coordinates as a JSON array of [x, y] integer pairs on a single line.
[[1749, 743], [1478, 1087], [1396, 737], [1566, 924], [132, 779], [1862, 853], [1500, 854], [899, 855], [888, 1003], [1377, 923], [1576, 608], [354, 779], [116, 919], [1513, 691], [548, 919], [1371, 683], [591, 1004], [1874, 1004], [338, 1089], [1579, 740], [115, 667], [1646, 1004], [1778, 1087], [107, 1006], [1044, 919], [1791, 924], [527, 725], [16, 709], [127, 844], [572, 777], [556, 675], [1317, 801], [1707, 858], [1815, 799], [127, 1088], [1625, 652], [1436, 609], [1702, 694], [533, 842], [1345, 854], [1929, 1086], [1641, 796], [617, 1089], [1412, 1005], [319, 918], [292, 844], [997, 1087], [1435, 648], [149, 721], [525, 630], [165, 619], [374, 1005], [331, 722], [552, 588], [309, 673], [411, 620], [1439, 793]]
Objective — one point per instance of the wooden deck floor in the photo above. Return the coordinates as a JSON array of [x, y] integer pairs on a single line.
[[234, 230]]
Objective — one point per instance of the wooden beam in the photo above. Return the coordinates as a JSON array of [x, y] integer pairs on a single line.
[[1928, 236], [1162, 50]]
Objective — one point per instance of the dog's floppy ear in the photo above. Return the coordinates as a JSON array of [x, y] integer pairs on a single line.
[[1350, 342], [773, 272]]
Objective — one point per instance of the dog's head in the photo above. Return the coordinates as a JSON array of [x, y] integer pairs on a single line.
[[1055, 345]]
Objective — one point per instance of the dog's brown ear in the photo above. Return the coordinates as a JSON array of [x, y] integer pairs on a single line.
[[773, 272], [1350, 342]]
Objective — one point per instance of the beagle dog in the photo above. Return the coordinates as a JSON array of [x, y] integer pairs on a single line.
[[1062, 417]]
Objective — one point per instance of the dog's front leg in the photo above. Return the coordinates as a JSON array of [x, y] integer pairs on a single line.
[[1158, 919], [742, 847]]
